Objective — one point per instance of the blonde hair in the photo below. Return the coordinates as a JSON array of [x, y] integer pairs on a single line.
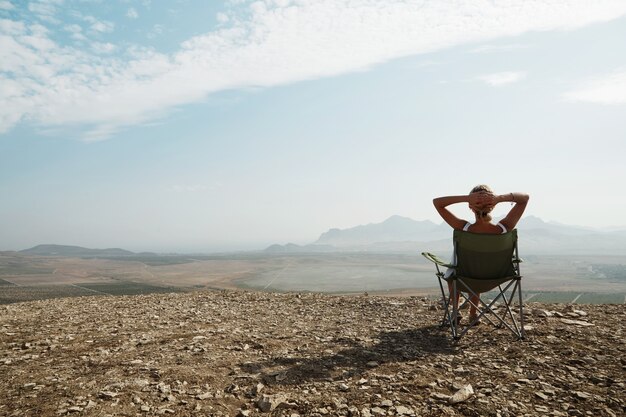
[[482, 213], [481, 187]]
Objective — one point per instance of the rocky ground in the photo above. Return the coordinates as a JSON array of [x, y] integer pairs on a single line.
[[235, 353]]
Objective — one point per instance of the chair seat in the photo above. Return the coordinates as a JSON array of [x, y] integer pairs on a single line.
[[479, 285]]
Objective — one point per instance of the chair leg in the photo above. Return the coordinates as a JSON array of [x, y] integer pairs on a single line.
[[488, 308], [455, 310], [516, 330], [521, 309], [519, 330], [446, 303]]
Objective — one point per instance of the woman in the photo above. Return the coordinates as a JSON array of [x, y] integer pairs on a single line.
[[481, 201]]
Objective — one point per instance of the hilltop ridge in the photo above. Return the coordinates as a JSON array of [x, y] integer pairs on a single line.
[[233, 353]]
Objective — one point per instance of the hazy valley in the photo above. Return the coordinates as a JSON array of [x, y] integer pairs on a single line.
[[376, 258]]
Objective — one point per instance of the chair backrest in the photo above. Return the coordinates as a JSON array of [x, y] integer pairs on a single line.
[[485, 256]]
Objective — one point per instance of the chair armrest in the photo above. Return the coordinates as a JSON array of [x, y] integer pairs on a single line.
[[517, 261], [436, 259]]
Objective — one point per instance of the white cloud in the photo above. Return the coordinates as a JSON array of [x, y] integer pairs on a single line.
[[486, 49], [102, 47], [155, 31], [606, 89], [132, 13], [101, 26], [45, 10], [501, 78], [42, 8], [6, 5], [96, 24], [76, 32], [263, 44], [222, 17]]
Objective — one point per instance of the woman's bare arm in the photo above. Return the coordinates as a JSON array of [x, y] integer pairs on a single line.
[[520, 200], [441, 203]]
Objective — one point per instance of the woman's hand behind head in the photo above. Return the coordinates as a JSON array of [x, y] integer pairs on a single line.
[[482, 200]]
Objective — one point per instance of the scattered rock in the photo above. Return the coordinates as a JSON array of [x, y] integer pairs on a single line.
[[576, 322], [270, 402], [440, 397], [540, 312], [322, 356], [582, 395], [107, 395], [404, 411], [462, 395]]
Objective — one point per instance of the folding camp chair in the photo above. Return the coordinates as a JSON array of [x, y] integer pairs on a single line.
[[481, 263]]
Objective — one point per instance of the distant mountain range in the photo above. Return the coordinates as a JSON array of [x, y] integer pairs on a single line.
[[402, 234], [74, 251]]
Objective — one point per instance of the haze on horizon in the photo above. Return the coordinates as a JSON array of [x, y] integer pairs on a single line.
[[192, 126]]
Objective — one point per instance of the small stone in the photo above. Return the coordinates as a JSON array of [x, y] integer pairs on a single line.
[[243, 413], [107, 395], [344, 387], [74, 409], [439, 396], [377, 411], [353, 412], [403, 411], [538, 312], [203, 396], [256, 390], [462, 395], [372, 364], [582, 395], [386, 403], [541, 395], [145, 408], [577, 322], [270, 402]]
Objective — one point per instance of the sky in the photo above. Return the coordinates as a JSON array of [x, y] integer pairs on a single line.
[[196, 126]]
